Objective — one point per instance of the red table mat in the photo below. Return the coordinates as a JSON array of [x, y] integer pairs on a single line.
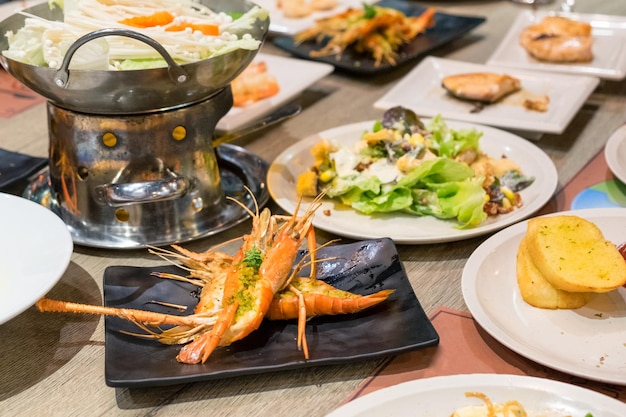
[[465, 348], [15, 97]]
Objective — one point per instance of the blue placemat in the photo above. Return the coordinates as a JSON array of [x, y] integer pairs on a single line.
[[606, 194]]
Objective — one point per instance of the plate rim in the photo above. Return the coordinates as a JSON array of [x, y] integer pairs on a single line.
[[482, 317], [471, 382], [548, 126], [617, 139], [550, 183], [512, 34], [63, 247]]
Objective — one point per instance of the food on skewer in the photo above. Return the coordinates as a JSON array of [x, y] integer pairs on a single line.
[[240, 291], [563, 260], [485, 87], [374, 30], [253, 84], [558, 39]]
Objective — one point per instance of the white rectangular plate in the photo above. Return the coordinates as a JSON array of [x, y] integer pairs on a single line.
[[279, 24], [283, 69], [609, 47], [421, 91]]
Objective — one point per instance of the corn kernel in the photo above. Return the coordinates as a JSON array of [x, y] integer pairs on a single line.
[[416, 139], [506, 203], [326, 176], [486, 197], [507, 193]]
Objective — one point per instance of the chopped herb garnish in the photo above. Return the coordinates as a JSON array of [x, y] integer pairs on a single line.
[[369, 11], [253, 258]]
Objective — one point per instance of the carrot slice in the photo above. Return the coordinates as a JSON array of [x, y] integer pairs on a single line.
[[156, 19], [206, 29]]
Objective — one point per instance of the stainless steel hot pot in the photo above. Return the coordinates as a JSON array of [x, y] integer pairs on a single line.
[[131, 159]]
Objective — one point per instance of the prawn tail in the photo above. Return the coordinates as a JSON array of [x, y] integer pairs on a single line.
[[285, 305]]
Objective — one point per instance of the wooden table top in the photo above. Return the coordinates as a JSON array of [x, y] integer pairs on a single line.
[[54, 364]]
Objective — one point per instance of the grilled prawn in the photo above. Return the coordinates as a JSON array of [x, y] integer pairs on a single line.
[[239, 291]]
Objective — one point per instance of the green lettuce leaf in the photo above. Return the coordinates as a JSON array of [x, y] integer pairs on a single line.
[[350, 189], [448, 142], [437, 170], [441, 187], [463, 200]]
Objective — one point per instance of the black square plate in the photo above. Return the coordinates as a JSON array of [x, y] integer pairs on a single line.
[[447, 28], [397, 325]]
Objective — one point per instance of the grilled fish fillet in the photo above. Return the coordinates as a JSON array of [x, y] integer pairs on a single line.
[[480, 86], [558, 39]]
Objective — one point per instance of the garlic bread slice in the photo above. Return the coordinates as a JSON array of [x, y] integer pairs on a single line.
[[572, 254], [537, 291]]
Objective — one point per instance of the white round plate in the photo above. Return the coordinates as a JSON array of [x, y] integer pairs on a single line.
[[440, 396], [337, 218], [615, 153], [35, 250], [589, 342]]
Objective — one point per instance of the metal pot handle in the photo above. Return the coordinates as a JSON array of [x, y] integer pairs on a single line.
[[143, 192], [177, 73]]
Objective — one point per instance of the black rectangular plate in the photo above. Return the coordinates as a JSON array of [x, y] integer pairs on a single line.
[[397, 325], [15, 166], [447, 28]]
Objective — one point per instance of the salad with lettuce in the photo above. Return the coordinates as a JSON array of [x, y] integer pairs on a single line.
[[404, 165]]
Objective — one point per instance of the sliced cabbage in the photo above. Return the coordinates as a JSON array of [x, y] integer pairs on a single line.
[[26, 45], [44, 43]]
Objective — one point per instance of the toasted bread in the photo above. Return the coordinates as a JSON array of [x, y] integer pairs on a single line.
[[480, 86], [572, 254], [537, 291]]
